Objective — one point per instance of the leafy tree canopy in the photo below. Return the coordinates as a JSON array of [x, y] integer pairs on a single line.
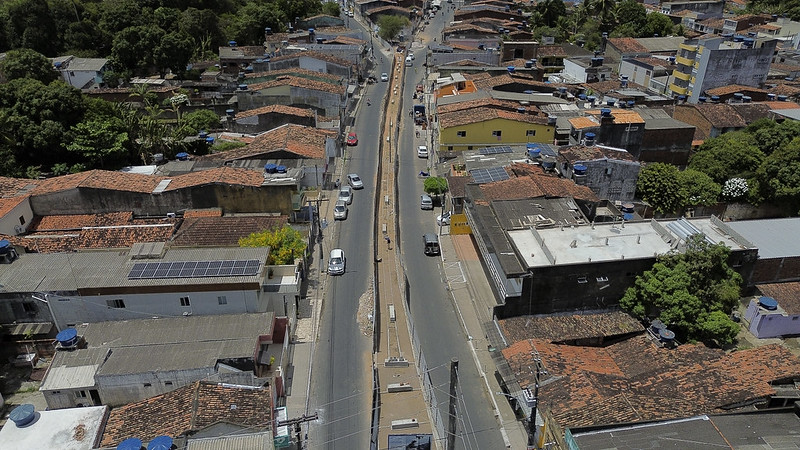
[[435, 185], [202, 119], [285, 244], [779, 176], [659, 185], [697, 188], [26, 63], [770, 135], [389, 26], [727, 156], [692, 292], [331, 9]]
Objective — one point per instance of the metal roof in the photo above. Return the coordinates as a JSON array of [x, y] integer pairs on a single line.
[[38, 272], [770, 236], [57, 429], [261, 441]]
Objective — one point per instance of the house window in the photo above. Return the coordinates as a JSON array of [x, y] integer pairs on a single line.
[[498, 133], [609, 170], [116, 303], [582, 280], [168, 383], [147, 385], [56, 392], [602, 279], [222, 300], [22, 220], [450, 148], [185, 301], [461, 133], [530, 133], [80, 394], [29, 307], [469, 147]]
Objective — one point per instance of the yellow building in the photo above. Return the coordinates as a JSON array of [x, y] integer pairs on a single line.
[[488, 123]]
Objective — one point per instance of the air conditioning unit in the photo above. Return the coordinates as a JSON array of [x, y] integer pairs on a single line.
[[171, 215], [19, 229]]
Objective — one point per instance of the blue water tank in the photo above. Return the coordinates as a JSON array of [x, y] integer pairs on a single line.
[[202, 134], [591, 98], [23, 415], [280, 169], [548, 165], [521, 110], [715, 98], [529, 92], [232, 43], [310, 31], [770, 96], [562, 90], [534, 152], [746, 99], [610, 103], [782, 98], [210, 140], [627, 217], [5, 246], [701, 99], [130, 444], [589, 138], [681, 97], [631, 103], [768, 303], [579, 169], [67, 337], [582, 96], [510, 69], [657, 325], [229, 112], [160, 443], [666, 335], [242, 87], [627, 207], [182, 156], [270, 168], [605, 112]]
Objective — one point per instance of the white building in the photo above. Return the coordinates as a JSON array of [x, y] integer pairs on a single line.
[[115, 363], [64, 429], [82, 73]]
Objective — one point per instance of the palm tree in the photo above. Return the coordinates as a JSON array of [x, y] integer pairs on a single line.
[[604, 9]]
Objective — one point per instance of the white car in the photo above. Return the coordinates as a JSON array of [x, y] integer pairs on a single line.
[[384, 76], [349, 13], [412, 56], [422, 151], [443, 219], [425, 202], [340, 210], [355, 181], [345, 195], [337, 262]]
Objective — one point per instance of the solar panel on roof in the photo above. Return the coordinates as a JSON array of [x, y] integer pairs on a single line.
[[194, 269], [496, 150], [482, 176]]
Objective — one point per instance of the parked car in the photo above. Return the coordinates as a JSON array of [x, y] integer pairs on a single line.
[[422, 151], [355, 181], [352, 138], [340, 210], [384, 76], [443, 219], [345, 194], [425, 202], [336, 263]]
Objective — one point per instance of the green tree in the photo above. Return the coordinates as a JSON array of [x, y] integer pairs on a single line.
[[657, 24], [26, 63], [298, 8], [173, 52], [87, 39], [727, 156], [691, 292], [331, 9], [246, 27], [202, 119], [779, 177], [550, 11], [134, 46], [389, 26], [697, 188], [604, 11], [100, 141], [31, 25], [769, 135], [630, 13], [435, 185], [659, 185], [285, 244]]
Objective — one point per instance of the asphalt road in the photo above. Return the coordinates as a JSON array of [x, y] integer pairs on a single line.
[[341, 374]]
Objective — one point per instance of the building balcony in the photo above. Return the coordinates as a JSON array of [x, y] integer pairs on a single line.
[[681, 75], [677, 89], [681, 61], [688, 47]]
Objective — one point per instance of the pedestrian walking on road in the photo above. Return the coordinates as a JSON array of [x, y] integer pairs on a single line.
[[388, 242]]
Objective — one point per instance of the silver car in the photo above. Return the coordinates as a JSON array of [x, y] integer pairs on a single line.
[[425, 202], [340, 210], [355, 181], [336, 263], [345, 194]]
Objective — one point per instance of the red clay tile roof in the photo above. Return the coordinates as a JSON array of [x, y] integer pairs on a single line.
[[528, 181], [482, 114], [751, 112], [306, 142], [551, 50], [12, 187], [288, 80], [584, 153], [463, 47], [223, 231], [346, 40], [189, 408], [633, 380], [504, 105], [576, 327], [207, 212], [627, 45], [279, 109], [782, 105], [620, 115], [316, 55], [603, 87], [583, 122], [468, 27], [467, 62], [734, 88], [787, 295], [786, 89], [499, 80], [218, 175], [78, 221], [294, 72], [721, 115], [457, 185], [7, 204]]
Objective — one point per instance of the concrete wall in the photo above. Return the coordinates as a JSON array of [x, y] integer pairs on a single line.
[[266, 122], [116, 390], [231, 198], [765, 325], [747, 67], [313, 64], [776, 270], [19, 216], [622, 135], [78, 78], [326, 103], [68, 398], [94, 308], [21, 308], [608, 178], [667, 145], [441, 59], [480, 134]]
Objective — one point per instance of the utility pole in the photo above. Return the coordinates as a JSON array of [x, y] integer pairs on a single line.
[[451, 425], [296, 422]]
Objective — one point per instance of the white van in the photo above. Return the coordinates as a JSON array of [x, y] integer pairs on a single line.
[[409, 61]]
